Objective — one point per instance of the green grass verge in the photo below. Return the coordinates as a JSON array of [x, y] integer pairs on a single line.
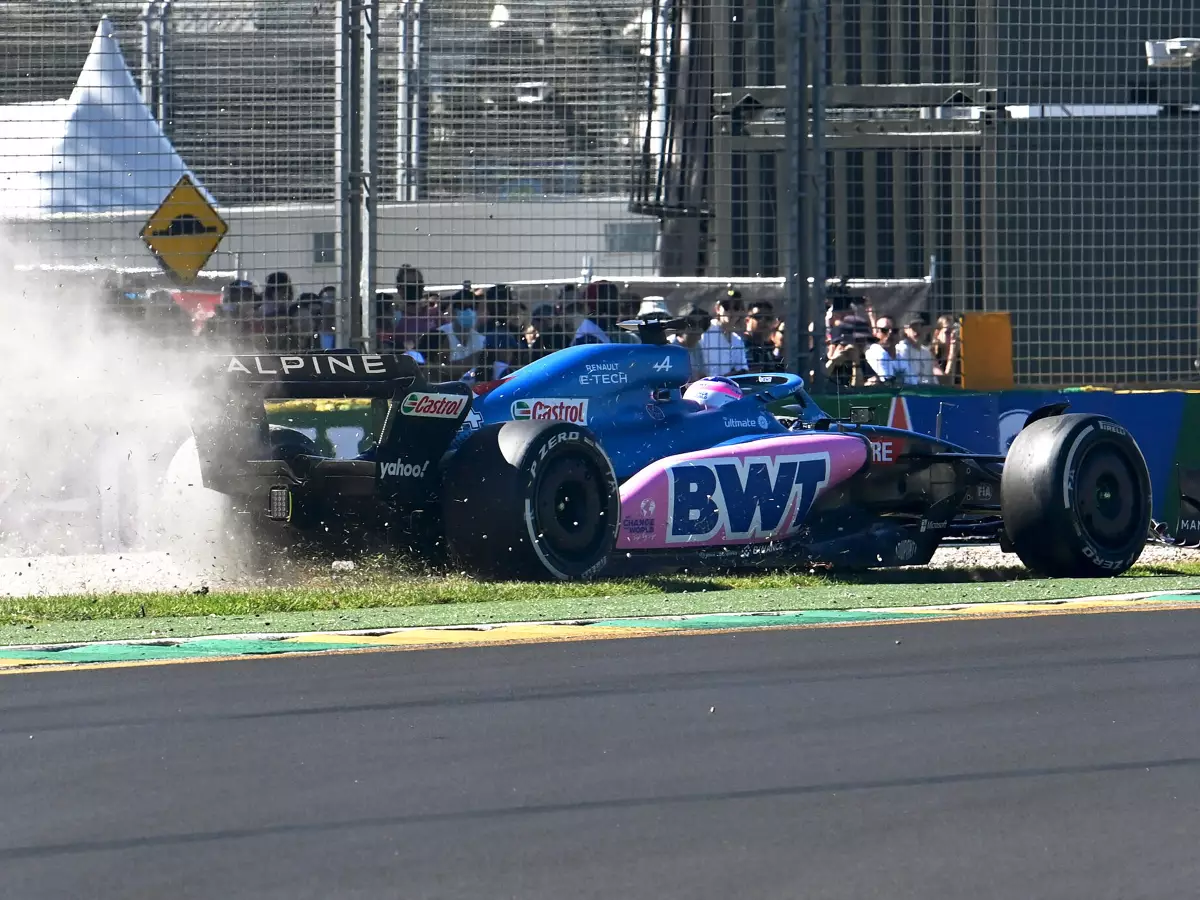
[[374, 597]]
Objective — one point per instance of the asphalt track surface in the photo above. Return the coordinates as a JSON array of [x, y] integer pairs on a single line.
[[1045, 757]]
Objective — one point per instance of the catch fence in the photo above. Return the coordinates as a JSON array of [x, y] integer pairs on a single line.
[[957, 156]]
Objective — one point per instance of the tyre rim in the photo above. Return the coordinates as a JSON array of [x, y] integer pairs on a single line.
[[1106, 498], [569, 507]]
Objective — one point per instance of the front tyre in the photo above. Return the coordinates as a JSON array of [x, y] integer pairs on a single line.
[[1075, 497], [531, 500]]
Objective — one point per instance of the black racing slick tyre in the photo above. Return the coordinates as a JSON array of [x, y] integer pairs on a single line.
[[530, 500], [1075, 497]]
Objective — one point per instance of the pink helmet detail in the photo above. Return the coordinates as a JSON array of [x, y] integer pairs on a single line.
[[713, 393]]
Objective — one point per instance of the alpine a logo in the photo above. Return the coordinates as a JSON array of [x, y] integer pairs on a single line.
[[317, 364], [558, 409], [403, 470], [433, 406], [746, 499]]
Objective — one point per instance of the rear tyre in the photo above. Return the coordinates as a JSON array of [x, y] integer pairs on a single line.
[[1075, 497], [530, 500]]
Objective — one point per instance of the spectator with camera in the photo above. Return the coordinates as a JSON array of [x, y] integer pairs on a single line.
[[845, 363], [946, 348]]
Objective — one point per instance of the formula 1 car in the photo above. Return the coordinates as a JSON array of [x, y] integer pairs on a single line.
[[593, 458]]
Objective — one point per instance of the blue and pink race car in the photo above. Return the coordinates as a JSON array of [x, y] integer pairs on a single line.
[[602, 458]]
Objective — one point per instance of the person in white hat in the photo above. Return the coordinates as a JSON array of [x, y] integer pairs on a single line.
[[652, 306]]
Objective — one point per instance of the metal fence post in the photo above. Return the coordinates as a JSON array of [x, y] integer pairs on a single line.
[[355, 163], [798, 260], [345, 100], [146, 23], [410, 86], [368, 163], [818, 179], [163, 106]]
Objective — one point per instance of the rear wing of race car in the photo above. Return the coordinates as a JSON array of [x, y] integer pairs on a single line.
[[412, 425], [318, 375]]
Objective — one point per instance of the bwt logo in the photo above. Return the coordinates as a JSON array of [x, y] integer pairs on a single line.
[[759, 497]]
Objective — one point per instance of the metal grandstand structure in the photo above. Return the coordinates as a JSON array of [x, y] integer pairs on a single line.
[[540, 101]]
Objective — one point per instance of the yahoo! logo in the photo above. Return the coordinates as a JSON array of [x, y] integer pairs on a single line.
[[756, 498]]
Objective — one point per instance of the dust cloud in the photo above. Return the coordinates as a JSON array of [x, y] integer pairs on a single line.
[[93, 413]]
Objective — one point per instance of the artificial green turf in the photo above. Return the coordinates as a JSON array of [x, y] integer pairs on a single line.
[[373, 601]]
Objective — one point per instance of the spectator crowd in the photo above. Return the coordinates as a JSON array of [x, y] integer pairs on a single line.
[[482, 334], [863, 349]]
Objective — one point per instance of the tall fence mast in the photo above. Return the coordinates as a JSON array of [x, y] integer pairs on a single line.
[[817, 57], [797, 257], [355, 162]]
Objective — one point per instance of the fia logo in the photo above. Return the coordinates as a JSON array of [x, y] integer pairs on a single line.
[[745, 499]]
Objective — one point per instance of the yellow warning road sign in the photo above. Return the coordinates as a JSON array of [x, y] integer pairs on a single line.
[[184, 231]]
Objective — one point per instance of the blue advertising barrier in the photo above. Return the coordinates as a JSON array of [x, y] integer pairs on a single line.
[[987, 423]]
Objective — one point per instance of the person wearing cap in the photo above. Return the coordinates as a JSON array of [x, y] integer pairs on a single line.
[[653, 307], [722, 346], [919, 363], [631, 308], [578, 319], [760, 320], [601, 299]]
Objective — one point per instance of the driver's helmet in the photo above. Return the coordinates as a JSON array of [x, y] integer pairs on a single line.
[[713, 392]]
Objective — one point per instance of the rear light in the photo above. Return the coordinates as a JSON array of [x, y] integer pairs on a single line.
[[279, 504]]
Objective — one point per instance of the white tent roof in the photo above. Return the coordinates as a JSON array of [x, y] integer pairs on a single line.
[[101, 150]]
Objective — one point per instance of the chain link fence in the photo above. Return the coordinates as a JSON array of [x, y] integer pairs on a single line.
[[963, 158], [1034, 151]]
